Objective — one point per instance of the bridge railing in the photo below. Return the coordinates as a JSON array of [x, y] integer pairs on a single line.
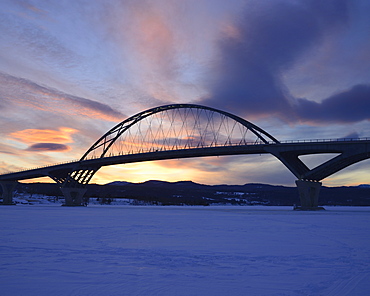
[[324, 140], [180, 147]]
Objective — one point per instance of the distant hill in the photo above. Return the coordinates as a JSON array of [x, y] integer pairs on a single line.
[[190, 193], [118, 183]]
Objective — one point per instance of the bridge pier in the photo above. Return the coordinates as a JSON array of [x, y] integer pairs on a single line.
[[73, 196], [8, 189], [309, 195]]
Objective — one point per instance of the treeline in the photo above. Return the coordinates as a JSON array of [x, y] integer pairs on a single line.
[[189, 193]]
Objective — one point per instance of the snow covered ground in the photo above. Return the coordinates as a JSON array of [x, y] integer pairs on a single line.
[[143, 250]]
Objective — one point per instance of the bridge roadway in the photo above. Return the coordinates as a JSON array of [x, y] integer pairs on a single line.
[[349, 152], [59, 169]]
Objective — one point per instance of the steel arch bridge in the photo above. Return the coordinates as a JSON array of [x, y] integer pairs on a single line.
[[173, 127], [189, 130]]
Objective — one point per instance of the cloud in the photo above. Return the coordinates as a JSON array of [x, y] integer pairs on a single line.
[[25, 26], [348, 106], [45, 140], [161, 47], [143, 36], [49, 147], [32, 8], [352, 135], [6, 167], [94, 109], [268, 39], [8, 149], [61, 136], [203, 164], [29, 94]]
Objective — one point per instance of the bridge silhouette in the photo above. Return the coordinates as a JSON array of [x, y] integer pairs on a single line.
[[187, 130]]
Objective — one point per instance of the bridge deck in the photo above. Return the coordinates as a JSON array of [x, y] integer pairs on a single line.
[[294, 148]]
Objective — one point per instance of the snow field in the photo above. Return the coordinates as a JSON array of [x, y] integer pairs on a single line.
[[143, 250]]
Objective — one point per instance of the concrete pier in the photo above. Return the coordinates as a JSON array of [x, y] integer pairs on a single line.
[[8, 189], [73, 196], [309, 195]]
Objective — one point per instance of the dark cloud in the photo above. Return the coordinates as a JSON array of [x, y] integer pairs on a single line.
[[7, 152], [48, 147], [7, 149], [269, 39], [27, 92], [95, 106], [349, 106]]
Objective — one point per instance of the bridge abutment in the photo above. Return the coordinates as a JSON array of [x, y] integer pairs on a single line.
[[8, 189], [309, 195], [73, 196]]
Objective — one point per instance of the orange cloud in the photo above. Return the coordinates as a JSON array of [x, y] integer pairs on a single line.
[[152, 38], [61, 136]]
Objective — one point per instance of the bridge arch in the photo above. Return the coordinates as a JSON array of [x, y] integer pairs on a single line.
[[177, 126]]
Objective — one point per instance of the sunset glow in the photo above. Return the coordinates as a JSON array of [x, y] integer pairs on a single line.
[[68, 74]]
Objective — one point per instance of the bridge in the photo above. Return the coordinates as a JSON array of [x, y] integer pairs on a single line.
[[186, 130]]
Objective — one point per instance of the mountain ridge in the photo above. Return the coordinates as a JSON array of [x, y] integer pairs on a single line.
[[191, 193]]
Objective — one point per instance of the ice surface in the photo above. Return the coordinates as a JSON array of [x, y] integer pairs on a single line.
[[143, 250]]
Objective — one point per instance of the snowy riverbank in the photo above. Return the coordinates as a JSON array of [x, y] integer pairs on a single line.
[[127, 250]]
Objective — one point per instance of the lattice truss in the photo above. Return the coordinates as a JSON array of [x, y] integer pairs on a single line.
[[173, 129]]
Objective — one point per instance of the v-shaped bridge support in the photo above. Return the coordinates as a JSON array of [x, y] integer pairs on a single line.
[[308, 184], [73, 183]]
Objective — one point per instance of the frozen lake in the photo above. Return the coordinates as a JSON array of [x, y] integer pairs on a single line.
[[139, 250]]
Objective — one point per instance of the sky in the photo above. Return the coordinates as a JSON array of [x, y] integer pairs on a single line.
[[71, 70]]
